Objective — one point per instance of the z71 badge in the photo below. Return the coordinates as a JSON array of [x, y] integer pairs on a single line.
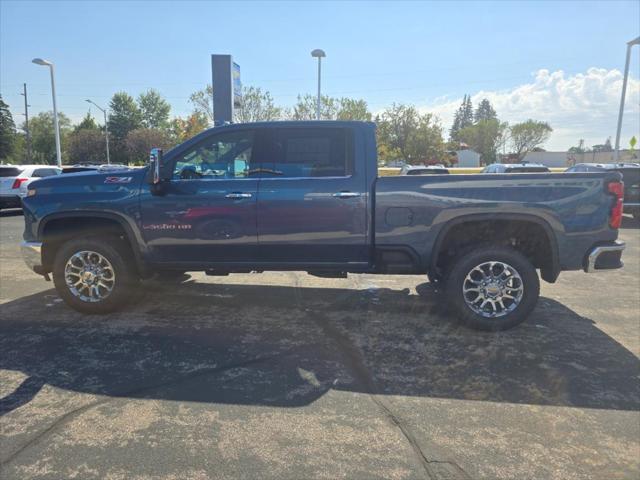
[[118, 179]]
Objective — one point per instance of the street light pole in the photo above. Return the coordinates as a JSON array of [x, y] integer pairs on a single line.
[[26, 122], [106, 126], [56, 127], [624, 93], [319, 54]]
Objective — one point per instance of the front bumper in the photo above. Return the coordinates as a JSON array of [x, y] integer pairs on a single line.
[[32, 256], [605, 257]]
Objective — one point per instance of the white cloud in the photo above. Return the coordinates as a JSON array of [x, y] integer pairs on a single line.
[[581, 106]]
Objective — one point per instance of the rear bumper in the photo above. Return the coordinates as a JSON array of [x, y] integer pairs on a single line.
[[631, 207], [32, 256], [605, 257], [10, 201]]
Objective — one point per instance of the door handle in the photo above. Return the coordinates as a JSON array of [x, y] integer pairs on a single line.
[[236, 195], [346, 194]]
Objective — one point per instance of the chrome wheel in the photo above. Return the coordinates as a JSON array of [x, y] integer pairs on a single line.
[[493, 289], [89, 276]]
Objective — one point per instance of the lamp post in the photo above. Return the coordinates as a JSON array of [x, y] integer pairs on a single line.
[[624, 93], [46, 63], [319, 54], [106, 127]]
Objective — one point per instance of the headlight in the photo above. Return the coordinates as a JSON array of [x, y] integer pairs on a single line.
[[31, 192]]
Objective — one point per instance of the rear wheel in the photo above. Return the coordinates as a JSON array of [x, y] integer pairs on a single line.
[[492, 288], [95, 274]]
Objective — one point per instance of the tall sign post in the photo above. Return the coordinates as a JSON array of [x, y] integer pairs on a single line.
[[227, 88], [624, 92]]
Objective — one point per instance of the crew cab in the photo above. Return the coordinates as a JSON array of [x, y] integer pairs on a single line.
[[307, 196]]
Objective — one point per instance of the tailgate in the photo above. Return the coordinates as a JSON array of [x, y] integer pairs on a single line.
[[7, 177], [5, 186]]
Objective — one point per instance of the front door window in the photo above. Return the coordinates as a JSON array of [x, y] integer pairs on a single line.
[[223, 156]]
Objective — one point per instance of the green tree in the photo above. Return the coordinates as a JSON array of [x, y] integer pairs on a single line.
[[353, 109], [404, 132], [87, 123], [484, 112], [525, 136], [462, 118], [202, 101], [124, 116], [257, 106], [578, 149], [603, 147], [7, 132], [86, 145], [306, 106], [331, 108], [485, 137], [183, 129], [154, 110], [43, 137], [141, 140]]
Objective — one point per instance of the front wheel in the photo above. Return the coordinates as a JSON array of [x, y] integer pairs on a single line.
[[492, 288], [94, 274]]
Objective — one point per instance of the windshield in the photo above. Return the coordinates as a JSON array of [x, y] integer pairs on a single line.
[[10, 171], [526, 170]]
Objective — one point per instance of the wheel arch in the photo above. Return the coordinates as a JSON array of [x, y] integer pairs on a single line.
[[549, 271], [92, 221]]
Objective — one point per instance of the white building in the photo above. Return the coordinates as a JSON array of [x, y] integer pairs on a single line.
[[468, 158]]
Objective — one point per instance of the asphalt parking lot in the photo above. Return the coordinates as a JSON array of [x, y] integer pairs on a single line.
[[288, 376]]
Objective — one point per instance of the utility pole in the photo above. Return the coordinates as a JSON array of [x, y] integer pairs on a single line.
[[106, 125], [26, 122], [624, 92]]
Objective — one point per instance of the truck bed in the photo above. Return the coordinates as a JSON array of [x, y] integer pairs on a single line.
[[417, 210]]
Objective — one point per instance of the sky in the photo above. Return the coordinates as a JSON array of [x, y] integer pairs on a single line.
[[559, 62]]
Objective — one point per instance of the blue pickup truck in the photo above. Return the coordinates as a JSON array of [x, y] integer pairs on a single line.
[[306, 196]]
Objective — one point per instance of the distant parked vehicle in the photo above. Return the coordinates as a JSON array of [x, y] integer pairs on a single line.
[[14, 180], [523, 167], [423, 170], [90, 167], [630, 176]]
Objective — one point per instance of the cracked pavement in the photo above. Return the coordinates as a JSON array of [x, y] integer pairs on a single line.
[[284, 375]]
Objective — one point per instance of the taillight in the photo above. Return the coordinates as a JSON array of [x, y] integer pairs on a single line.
[[18, 181], [617, 190]]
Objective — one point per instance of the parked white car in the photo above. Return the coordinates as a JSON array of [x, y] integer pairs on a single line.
[[14, 180]]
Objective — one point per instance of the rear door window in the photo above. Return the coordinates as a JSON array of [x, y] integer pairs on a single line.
[[309, 152]]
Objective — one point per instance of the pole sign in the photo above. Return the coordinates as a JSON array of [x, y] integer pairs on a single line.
[[237, 86], [227, 88]]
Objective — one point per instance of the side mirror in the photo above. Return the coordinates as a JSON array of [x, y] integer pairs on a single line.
[[157, 167]]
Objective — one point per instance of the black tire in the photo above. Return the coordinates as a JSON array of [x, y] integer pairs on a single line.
[[455, 280], [117, 253]]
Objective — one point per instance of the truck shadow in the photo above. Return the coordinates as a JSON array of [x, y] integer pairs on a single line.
[[287, 346], [628, 222]]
